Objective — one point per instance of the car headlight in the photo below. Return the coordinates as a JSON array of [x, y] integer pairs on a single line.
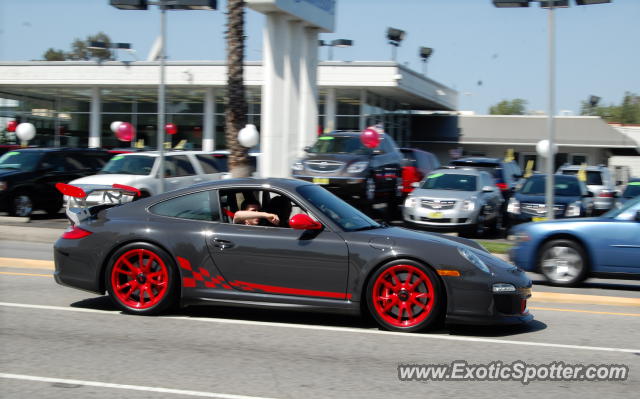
[[474, 259], [513, 206], [573, 209], [468, 205], [3, 185], [297, 166], [357, 167], [410, 202]]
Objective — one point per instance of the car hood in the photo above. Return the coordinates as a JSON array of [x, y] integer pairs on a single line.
[[540, 199], [346, 158], [446, 194], [108, 179], [396, 235]]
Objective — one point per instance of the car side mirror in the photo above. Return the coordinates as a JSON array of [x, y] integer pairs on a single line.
[[302, 221], [487, 189], [415, 185], [307, 148]]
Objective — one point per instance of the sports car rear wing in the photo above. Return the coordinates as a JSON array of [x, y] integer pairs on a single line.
[[83, 201]]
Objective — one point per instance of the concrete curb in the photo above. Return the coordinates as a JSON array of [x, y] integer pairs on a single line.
[[29, 234]]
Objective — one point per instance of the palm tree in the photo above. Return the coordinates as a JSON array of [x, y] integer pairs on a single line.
[[236, 103]]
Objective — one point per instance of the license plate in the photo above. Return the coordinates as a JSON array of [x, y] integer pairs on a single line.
[[538, 219], [435, 215], [320, 180]]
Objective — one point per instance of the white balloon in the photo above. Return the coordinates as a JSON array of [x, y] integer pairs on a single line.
[[25, 131], [114, 126], [248, 136], [542, 148]]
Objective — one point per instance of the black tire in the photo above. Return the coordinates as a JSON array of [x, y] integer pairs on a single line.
[[161, 263], [21, 204], [429, 292], [563, 262]]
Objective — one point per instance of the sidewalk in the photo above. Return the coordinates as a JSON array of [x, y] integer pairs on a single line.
[[15, 232]]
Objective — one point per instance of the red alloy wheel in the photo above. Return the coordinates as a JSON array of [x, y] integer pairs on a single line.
[[403, 296], [139, 279]]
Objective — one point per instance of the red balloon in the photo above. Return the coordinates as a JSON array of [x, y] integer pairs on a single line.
[[370, 138], [125, 131], [11, 126], [171, 128]]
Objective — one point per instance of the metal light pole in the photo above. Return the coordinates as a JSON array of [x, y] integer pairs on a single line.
[[163, 5], [551, 5], [551, 156]]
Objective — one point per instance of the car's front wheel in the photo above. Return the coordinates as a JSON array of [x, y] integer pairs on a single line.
[[405, 296], [563, 262], [21, 205], [141, 279]]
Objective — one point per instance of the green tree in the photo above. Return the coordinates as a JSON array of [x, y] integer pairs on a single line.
[[54, 55], [80, 50], [509, 107], [627, 112], [236, 103]]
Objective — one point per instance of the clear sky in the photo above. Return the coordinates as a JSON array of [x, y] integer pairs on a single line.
[[485, 53]]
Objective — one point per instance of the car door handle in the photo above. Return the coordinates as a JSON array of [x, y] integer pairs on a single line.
[[222, 244]]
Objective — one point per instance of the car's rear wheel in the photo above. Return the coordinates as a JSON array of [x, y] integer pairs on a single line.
[[141, 279], [563, 262], [21, 205], [405, 296]]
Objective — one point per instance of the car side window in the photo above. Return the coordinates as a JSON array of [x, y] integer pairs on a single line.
[[75, 162], [232, 201], [209, 163], [54, 162], [178, 166], [197, 206]]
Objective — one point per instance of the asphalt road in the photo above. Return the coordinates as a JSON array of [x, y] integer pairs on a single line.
[[58, 342]]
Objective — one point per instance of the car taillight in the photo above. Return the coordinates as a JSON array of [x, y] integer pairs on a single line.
[[74, 233], [605, 194], [410, 174], [502, 186]]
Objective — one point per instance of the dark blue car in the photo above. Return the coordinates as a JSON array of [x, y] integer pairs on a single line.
[[571, 199], [568, 251]]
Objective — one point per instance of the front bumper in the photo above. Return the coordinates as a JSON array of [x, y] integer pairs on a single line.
[[345, 187], [439, 219]]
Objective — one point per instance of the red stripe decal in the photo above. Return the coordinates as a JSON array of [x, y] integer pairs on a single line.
[[188, 282], [185, 264], [294, 291]]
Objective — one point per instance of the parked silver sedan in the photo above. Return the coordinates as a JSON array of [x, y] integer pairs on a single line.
[[461, 199]]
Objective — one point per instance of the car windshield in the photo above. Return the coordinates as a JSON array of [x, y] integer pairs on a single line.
[[25, 161], [632, 190], [450, 181], [594, 178], [129, 165], [564, 186], [341, 213], [339, 145], [628, 211]]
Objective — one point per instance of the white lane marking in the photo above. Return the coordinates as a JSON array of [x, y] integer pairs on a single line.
[[129, 387], [337, 329]]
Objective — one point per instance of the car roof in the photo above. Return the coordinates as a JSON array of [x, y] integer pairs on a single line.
[[471, 160], [60, 149], [266, 183], [556, 175], [157, 154]]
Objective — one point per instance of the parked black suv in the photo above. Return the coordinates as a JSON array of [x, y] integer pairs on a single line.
[[343, 165], [506, 174], [28, 176]]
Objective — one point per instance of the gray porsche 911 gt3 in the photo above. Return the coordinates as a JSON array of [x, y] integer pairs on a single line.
[[183, 248]]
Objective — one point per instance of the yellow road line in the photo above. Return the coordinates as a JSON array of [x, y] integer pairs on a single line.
[[26, 274], [583, 311], [20, 263], [554, 297]]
